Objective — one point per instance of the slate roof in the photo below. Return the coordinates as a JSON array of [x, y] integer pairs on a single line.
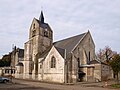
[[19, 64], [61, 51], [45, 53], [43, 25], [94, 62], [65, 44], [41, 18], [97, 62], [41, 22], [21, 53], [69, 43]]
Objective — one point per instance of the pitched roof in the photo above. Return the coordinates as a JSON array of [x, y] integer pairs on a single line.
[[94, 62], [61, 51], [69, 43], [20, 64], [43, 25], [21, 53], [45, 53], [97, 62], [41, 18]]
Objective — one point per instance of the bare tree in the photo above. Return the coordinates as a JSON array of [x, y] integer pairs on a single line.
[[106, 54]]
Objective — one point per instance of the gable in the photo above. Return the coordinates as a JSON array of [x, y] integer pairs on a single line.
[[91, 39], [35, 23], [54, 50], [57, 52], [33, 27], [85, 40]]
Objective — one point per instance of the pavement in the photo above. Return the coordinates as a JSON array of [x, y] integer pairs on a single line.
[[56, 86]]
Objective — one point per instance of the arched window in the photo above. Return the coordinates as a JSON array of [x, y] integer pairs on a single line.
[[53, 62]]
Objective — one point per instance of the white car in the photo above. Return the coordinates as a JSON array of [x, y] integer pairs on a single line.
[[4, 80]]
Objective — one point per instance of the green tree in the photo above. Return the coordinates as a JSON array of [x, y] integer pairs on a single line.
[[115, 64]]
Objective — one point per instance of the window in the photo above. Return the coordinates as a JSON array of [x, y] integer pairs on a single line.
[[11, 71], [40, 66], [45, 33], [53, 62], [78, 62], [5, 71], [33, 33], [33, 26], [89, 57]]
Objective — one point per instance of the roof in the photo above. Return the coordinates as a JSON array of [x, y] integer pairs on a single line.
[[94, 62], [19, 64], [97, 62], [69, 43], [21, 53], [86, 65], [61, 51], [41, 21], [45, 53], [41, 18], [43, 24]]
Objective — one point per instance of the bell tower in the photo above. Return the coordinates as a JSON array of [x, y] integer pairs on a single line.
[[40, 39]]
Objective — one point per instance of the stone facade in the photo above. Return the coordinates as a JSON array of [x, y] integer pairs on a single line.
[[7, 71], [17, 55], [83, 53], [65, 61], [102, 71], [40, 38], [46, 73]]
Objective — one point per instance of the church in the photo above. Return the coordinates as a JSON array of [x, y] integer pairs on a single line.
[[65, 61]]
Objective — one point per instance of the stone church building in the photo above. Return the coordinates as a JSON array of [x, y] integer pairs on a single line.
[[64, 61]]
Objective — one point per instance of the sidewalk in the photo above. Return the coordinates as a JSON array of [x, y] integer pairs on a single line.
[[78, 86], [96, 84]]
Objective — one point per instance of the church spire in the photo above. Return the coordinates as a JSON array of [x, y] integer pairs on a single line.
[[41, 18]]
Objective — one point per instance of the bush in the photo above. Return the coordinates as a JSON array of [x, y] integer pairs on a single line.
[[115, 85]]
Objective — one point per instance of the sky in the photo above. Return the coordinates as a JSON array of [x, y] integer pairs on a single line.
[[66, 18]]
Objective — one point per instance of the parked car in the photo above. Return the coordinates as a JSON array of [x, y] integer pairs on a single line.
[[4, 80]]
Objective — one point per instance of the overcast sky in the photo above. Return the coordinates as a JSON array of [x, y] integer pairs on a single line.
[[66, 18]]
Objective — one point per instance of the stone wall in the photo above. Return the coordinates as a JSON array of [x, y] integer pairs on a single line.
[[105, 72], [81, 53], [1, 73], [46, 73]]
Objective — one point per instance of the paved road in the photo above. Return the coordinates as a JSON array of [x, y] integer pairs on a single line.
[[11, 86], [33, 85]]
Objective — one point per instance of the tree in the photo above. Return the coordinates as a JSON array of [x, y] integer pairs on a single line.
[[5, 61], [115, 64], [106, 54]]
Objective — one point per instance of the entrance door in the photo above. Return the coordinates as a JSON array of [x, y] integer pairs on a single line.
[[81, 75]]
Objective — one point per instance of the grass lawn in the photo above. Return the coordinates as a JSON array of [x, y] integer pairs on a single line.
[[115, 85]]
